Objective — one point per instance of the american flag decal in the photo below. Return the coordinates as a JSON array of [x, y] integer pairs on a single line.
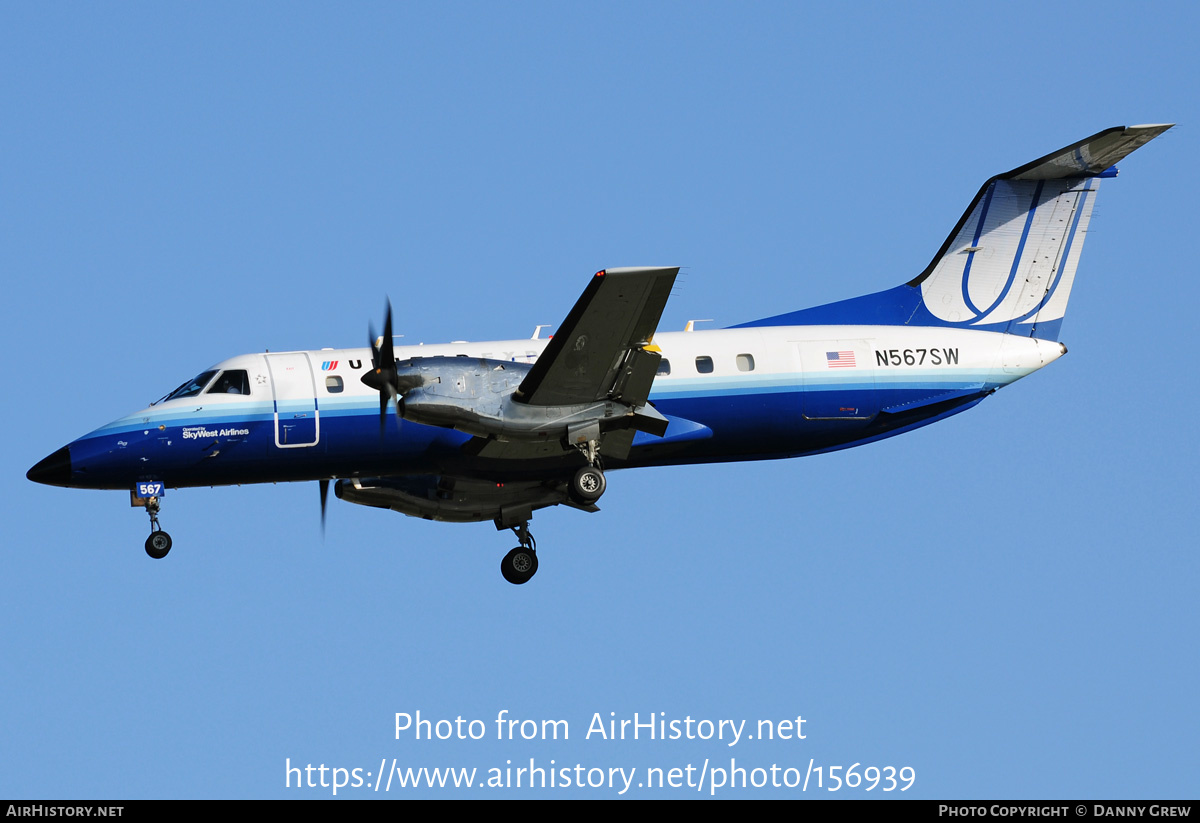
[[329, 365], [840, 359]]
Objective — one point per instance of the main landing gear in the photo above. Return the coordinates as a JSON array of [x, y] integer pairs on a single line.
[[521, 563], [588, 484], [159, 542], [584, 488]]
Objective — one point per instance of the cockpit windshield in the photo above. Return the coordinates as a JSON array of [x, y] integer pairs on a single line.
[[189, 389], [233, 381]]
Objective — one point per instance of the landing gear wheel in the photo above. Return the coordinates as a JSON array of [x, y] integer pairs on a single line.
[[158, 544], [519, 565], [588, 484]]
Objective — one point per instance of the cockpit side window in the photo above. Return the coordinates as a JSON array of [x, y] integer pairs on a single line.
[[189, 389], [233, 381]]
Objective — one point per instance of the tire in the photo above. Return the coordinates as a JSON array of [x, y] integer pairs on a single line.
[[519, 565], [588, 484], [158, 544]]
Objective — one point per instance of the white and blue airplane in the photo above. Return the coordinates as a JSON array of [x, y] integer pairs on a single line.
[[494, 431]]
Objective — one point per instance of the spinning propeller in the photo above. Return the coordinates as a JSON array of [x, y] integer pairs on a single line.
[[324, 500], [384, 376]]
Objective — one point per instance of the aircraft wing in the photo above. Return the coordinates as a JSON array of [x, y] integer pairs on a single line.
[[599, 351]]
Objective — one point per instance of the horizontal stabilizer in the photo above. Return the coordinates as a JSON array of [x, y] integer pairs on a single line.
[[1089, 157]]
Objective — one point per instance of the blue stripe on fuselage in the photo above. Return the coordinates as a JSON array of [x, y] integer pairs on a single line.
[[232, 443]]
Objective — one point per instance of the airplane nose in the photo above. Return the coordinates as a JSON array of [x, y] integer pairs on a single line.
[[54, 470]]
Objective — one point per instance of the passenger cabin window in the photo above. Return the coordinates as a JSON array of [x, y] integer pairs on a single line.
[[234, 381], [664, 368], [333, 384], [704, 364], [189, 389], [745, 362]]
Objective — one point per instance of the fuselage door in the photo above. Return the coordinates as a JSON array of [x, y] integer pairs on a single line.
[[839, 379], [297, 420]]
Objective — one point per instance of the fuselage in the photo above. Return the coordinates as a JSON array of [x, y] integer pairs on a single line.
[[731, 394]]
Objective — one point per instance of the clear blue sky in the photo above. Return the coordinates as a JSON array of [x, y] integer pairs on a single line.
[[1004, 601]]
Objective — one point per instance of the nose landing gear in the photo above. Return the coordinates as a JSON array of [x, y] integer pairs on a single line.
[[159, 542]]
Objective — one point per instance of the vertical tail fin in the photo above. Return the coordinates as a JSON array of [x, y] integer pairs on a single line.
[[1009, 263]]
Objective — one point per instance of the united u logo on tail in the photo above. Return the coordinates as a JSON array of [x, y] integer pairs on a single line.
[[1009, 263], [477, 438]]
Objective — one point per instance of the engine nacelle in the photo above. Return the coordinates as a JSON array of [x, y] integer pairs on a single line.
[[476, 396], [454, 500]]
